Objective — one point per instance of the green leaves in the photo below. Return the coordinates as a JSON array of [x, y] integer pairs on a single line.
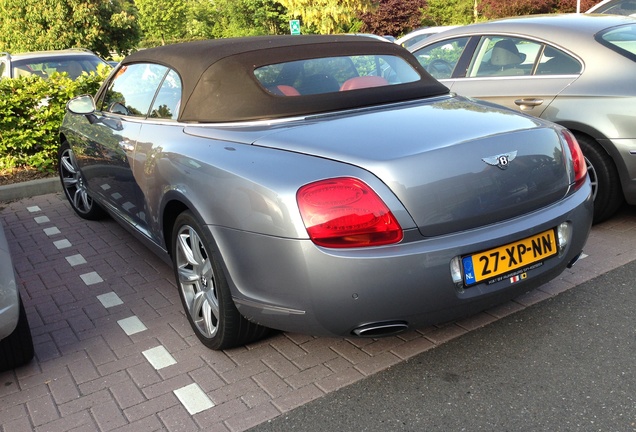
[[31, 112], [36, 25]]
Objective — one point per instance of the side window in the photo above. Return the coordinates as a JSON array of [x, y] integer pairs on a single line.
[[132, 89], [3, 66], [440, 59], [556, 62], [168, 100], [504, 56]]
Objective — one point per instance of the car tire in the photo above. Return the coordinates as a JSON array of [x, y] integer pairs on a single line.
[[606, 185], [204, 290], [17, 348], [74, 185]]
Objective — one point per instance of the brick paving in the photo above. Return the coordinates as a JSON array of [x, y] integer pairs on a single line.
[[115, 352]]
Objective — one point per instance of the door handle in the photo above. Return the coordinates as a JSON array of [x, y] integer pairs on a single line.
[[528, 103]]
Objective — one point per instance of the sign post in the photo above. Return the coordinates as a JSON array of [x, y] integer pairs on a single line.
[[294, 27]]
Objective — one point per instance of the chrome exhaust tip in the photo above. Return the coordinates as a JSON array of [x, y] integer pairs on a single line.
[[381, 329]]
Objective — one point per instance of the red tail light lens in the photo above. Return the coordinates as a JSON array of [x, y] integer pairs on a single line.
[[345, 213], [578, 160]]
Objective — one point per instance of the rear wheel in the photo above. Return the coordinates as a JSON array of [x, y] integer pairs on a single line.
[[606, 185], [204, 291], [17, 348], [74, 185]]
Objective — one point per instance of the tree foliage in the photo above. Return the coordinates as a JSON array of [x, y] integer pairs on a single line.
[[491, 9], [31, 113], [393, 17], [34, 25], [449, 12], [325, 16], [233, 18], [163, 19]]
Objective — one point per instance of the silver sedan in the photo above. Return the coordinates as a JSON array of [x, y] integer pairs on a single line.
[[576, 70]]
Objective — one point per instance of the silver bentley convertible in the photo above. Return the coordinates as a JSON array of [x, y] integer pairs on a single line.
[[323, 184]]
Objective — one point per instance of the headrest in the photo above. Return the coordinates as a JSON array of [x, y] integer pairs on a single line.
[[505, 53]]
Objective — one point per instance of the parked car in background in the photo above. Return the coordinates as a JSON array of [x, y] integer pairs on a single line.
[[576, 70], [323, 184], [616, 7], [419, 35], [16, 345], [74, 62]]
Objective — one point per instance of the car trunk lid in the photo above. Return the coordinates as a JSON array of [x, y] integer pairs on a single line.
[[454, 164]]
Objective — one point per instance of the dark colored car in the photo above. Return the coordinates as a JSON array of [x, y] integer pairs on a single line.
[[324, 185]]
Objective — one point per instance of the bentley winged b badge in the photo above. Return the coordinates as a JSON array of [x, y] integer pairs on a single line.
[[501, 160]]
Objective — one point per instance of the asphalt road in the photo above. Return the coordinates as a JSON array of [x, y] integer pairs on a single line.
[[565, 364]]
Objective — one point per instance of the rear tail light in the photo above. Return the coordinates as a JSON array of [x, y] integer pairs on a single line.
[[578, 160], [345, 213]]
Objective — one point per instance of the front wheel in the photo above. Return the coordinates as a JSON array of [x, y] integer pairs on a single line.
[[606, 184], [204, 291], [74, 185]]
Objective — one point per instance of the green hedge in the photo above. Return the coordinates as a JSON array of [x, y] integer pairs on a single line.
[[31, 112]]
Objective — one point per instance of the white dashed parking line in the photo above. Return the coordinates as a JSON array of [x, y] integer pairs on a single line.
[[131, 325], [75, 260], [193, 398], [91, 278], [109, 300], [159, 357], [62, 244], [51, 231]]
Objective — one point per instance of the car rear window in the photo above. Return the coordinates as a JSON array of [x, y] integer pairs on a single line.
[[44, 67], [621, 39], [334, 74]]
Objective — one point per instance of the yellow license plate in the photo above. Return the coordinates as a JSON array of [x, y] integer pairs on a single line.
[[489, 264]]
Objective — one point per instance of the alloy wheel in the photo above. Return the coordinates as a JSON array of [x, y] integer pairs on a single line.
[[197, 281], [73, 183]]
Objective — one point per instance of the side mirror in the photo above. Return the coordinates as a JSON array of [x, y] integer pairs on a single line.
[[81, 105]]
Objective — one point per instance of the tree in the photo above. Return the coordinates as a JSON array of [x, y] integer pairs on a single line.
[[449, 12], [393, 17], [497, 9], [233, 18], [35, 25], [163, 19], [325, 16]]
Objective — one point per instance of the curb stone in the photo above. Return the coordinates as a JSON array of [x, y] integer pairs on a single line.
[[29, 188]]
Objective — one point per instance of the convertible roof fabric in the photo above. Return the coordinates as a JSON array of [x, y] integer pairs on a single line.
[[219, 83]]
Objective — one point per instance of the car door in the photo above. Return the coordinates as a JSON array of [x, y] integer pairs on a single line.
[[520, 73], [122, 107]]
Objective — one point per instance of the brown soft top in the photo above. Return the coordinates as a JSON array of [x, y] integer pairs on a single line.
[[219, 83]]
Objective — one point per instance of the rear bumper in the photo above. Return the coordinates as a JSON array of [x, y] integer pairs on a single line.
[[292, 285]]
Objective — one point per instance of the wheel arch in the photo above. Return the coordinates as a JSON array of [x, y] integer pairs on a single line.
[[172, 208]]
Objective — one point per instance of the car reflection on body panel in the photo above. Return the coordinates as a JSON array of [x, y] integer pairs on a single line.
[[576, 70], [323, 184]]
